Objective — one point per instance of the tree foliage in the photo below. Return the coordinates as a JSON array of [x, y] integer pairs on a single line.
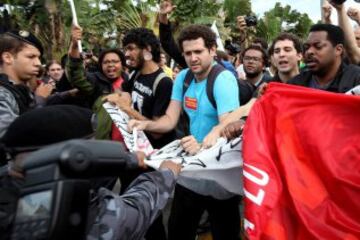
[[105, 21], [283, 19]]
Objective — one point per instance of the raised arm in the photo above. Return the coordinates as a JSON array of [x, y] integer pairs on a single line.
[[352, 50], [74, 66], [166, 37]]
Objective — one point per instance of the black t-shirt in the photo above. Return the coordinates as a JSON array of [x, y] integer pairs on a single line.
[[151, 104]]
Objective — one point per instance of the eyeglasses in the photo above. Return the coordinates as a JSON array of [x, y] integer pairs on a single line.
[[107, 62], [255, 59]]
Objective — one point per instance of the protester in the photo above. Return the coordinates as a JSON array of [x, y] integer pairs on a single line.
[[177, 68], [323, 55], [149, 87], [54, 71], [97, 85], [20, 53], [165, 33], [350, 44], [165, 68], [193, 197], [286, 52], [150, 90], [255, 59]]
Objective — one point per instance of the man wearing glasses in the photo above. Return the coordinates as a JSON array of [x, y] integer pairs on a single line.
[[255, 60]]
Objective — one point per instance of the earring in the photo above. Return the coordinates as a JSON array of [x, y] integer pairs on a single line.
[[147, 55]]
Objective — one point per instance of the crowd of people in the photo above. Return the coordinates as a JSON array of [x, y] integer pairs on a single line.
[[207, 94]]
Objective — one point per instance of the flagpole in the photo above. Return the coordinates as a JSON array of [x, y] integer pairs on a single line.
[[75, 21]]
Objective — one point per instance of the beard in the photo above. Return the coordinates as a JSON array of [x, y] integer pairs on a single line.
[[252, 74], [140, 64]]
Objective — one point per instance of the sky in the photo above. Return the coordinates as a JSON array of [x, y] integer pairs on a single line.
[[311, 7]]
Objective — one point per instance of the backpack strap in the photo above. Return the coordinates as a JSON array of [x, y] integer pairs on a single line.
[[188, 78], [157, 81], [214, 73]]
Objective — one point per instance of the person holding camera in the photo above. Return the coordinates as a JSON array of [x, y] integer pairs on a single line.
[[243, 23]]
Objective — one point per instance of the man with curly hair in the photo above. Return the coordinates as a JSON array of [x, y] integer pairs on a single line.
[[193, 196]]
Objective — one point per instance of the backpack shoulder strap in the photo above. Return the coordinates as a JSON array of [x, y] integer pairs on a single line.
[[157, 81], [214, 73], [188, 78]]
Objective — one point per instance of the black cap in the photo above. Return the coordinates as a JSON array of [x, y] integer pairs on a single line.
[[47, 125], [27, 37]]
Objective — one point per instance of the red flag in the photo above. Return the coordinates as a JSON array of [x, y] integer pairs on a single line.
[[302, 165]]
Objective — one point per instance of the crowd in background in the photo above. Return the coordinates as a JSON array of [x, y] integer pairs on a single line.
[[183, 88]]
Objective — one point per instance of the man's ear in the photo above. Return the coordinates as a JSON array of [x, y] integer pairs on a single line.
[[339, 49], [299, 56], [212, 51], [7, 58]]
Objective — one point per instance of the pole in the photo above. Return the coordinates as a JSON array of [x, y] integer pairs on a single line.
[[75, 21]]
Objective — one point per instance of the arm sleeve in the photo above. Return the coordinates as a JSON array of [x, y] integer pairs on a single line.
[[129, 216], [226, 93], [169, 45], [9, 110], [77, 77]]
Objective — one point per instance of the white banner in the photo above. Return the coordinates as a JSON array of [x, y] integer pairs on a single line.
[[221, 163], [136, 141], [219, 43], [354, 91]]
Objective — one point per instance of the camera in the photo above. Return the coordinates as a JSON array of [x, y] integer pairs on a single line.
[[55, 197], [232, 48], [251, 21]]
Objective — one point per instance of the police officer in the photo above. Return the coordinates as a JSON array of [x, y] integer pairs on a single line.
[[20, 53]]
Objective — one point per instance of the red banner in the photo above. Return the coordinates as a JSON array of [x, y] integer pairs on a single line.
[[302, 165]]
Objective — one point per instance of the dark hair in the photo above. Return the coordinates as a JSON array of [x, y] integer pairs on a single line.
[[177, 66], [143, 38], [51, 62], [197, 31], [286, 36], [257, 48], [260, 41], [334, 33], [112, 50], [10, 44]]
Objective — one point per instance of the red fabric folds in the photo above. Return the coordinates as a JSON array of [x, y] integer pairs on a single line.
[[302, 165]]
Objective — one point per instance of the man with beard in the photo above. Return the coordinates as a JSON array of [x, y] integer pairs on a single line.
[[20, 53], [150, 90], [193, 196], [323, 56], [254, 60]]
